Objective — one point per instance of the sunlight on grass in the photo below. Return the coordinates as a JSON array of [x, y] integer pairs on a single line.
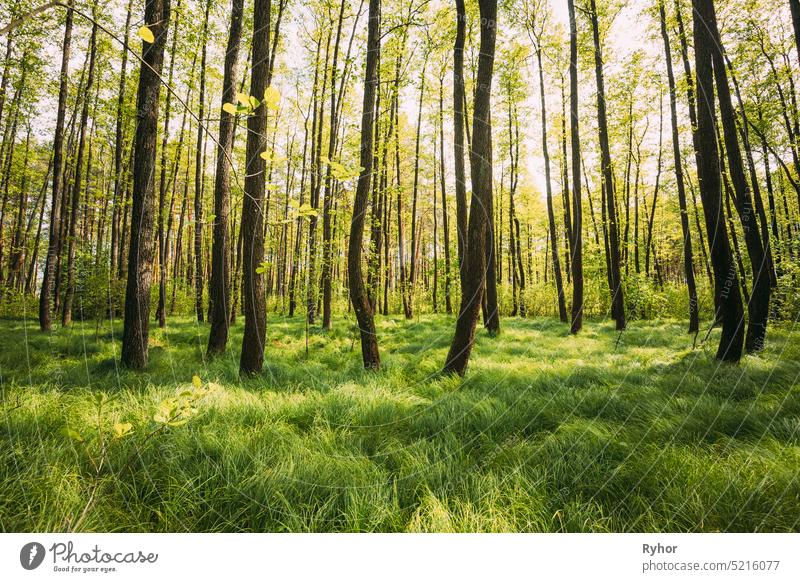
[[548, 432]]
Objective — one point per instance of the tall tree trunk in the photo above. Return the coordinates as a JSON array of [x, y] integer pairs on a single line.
[[252, 225], [199, 173], [726, 282], [220, 267], [140, 254], [66, 316], [54, 243], [358, 292], [474, 272], [412, 278], [119, 145], [448, 304], [459, 121], [615, 277], [688, 256], [562, 305], [758, 305], [163, 181], [577, 213]]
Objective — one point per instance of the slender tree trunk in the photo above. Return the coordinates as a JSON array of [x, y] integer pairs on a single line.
[[54, 243], [577, 214], [553, 239], [198, 173], [448, 304], [358, 292], [688, 256], [220, 267], [615, 277], [414, 235], [66, 316], [140, 254], [459, 121], [474, 272]]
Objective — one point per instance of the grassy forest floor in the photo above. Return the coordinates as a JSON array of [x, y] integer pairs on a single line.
[[548, 432]]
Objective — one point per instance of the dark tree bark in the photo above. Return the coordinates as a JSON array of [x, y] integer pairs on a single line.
[[726, 282], [577, 213], [140, 254], [688, 256], [459, 121], [474, 272], [758, 305], [54, 243], [358, 292], [615, 277], [255, 315], [220, 267]]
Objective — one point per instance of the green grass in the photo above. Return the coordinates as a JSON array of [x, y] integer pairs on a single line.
[[548, 432]]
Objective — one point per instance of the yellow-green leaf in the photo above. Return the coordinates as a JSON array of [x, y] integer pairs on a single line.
[[146, 34], [229, 108], [243, 98], [196, 381], [272, 97], [122, 428]]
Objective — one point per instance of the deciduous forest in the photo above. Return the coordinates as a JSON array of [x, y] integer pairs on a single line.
[[399, 265]]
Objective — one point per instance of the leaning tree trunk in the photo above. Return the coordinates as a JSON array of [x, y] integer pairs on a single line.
[[474, 268], [795, 6], [140, 254], [220, 268], [726, 282], [577, 214], [358, 291], [54, 243], [758, 306], [252, 225]]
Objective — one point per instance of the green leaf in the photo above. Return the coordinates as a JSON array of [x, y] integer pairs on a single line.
[[146, 34], [196, 381]]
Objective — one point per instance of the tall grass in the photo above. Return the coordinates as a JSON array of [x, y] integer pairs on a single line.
[[548, 432]]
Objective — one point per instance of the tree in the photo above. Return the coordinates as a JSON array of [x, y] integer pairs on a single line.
[[220, 267], [726, 281], [607, 178], [358, 292], [255, 183], [536, 18], [474, 271], [577, 214], [140, 253], [54, 241], [688, 257]]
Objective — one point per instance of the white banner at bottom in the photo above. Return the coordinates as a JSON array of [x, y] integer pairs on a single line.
[[389, 557]]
